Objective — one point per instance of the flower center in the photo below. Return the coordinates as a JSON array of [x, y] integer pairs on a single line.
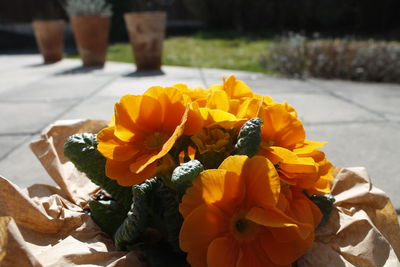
[[243, 229], [212, 139], [241, 225], [155, 140]]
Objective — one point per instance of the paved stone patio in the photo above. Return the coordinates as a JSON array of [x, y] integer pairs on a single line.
[[361, 121]]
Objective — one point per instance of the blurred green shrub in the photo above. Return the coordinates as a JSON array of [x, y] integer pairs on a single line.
[[295, 56]]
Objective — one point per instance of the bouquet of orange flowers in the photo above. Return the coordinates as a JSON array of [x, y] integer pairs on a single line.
[[207, 177]]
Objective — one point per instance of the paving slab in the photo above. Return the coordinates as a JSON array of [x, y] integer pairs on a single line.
[[137, 83], [261, 83], [94, 108], [372, 145], [24, 69], [56, 88], [23, 168], [380, 98], [321, 108], [30, 117], [9, 142]]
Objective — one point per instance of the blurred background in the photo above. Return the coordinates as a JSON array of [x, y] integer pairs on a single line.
[[319, 38]]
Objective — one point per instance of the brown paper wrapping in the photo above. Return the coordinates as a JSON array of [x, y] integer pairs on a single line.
[[46, 226]]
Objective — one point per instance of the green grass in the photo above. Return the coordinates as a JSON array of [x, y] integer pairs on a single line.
[[224, 53]]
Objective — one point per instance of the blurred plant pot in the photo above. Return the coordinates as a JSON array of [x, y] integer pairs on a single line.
[[146, 32], [49, 36], [91, 37]]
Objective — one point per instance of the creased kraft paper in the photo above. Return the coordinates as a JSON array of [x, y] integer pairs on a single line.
[[45, 226]]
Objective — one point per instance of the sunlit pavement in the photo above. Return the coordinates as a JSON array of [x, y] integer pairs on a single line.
[[361, 121]]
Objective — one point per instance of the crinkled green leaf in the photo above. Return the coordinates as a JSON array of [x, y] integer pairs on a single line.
[[154, 217], [249, 138], [172, 219], [183, 175], [138, 217], [81, 150], [107, 214]]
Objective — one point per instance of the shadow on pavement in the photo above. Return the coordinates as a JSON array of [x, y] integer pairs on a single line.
[[79, 70], [36, 65], [145, 73]]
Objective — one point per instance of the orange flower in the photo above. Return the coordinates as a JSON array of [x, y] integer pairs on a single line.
[[146, 128], [197, 94], [280, 127], [325, 168], [283, 143], [232, 217], [235, 97]]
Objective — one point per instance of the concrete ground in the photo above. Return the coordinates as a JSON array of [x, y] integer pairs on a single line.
[[361, 121]]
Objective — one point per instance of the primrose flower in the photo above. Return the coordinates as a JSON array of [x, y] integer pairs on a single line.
[[325, 168], [284, 144], [236, 216], [145, 128]]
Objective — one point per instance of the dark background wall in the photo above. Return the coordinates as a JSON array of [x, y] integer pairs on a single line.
[[242, 16]]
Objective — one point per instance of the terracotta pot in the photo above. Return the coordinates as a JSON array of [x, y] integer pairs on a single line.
[[146, 32], [49, 36], [91, 37]]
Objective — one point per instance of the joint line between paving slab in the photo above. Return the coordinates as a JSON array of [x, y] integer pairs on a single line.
[[81, 100], [203, 77], [28, 137], [325, 123], [330, 92], [35, 81], [19, 134], [99, 89]]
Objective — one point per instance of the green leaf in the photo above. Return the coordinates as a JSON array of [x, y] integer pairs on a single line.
[[81, 150], [107, 214], [138, 217], [249, 138], [325, 204], [171, 218], [154, 217], [183, 175]]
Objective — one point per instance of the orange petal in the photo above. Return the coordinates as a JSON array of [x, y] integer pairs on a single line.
[[249, 108], [217, 187], [194, 122], [302, 171], [262, 182], [218, 99], [308, 147], [280, 127], [234, 164], [252, 254], [274, 218], [198, 230], [236, 88], [303, 209], [173, 106], [119, 170], [222, 252], [211, 116], [284, 253], [145, 111], [113, 148], [261, 179]]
